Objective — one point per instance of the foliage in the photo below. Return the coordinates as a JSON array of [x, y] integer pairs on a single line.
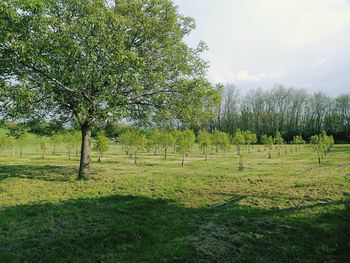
[[290, 110], [101, 144], [317, 145], [249, 138], [268, 142], [70, 142], [221, 140], [94, 62], [154, 139], [298, 140], [166, 140], [205, 140], [184, 142], [238, 140], [55, 140], [20, 135], [43, 146], [279, 141]]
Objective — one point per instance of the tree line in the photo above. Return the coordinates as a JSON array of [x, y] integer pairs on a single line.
[[291, 111]]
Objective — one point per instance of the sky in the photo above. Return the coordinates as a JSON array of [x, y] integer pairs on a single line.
[[260, 43]]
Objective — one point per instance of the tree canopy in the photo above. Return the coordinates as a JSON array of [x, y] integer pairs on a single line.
[[94, 61]]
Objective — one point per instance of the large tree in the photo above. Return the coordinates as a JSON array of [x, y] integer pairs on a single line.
[[96, 60]]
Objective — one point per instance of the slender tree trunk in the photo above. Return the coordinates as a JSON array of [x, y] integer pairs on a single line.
[[165, 152], [99, 158], [269, 154], [21, 152], [183, 160], [84, 169], [241, 165], [135, 158]]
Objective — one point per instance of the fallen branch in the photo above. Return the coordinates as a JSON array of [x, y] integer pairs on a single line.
[[236, 198]]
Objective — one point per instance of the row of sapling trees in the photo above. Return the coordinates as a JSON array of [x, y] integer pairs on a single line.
[[134, 141], [181, 142], [19, 138]]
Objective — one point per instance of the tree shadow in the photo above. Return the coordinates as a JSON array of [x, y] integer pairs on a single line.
[[39, 172], [139, 229]]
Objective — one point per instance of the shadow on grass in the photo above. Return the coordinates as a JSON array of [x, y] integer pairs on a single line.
[[41, 172], [140, 229]]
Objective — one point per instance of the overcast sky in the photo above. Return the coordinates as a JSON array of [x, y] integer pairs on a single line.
[[299, 43]]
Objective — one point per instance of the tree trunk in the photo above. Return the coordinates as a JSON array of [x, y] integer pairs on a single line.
[[269, 154], [165, 152], [183, 161], [21, 152], [241, 165], [84, 169], [135, 159]]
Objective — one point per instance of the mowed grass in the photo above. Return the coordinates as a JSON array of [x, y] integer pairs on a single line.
[[287, 209]]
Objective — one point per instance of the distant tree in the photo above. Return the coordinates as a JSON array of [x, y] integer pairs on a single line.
[[298, 140], [20, 135], [268, 143], [155, 139], [166, 140], [55, 140], [5, 141], [279, 141], [124, 140], [185, 141], [249, 138], [216, 140], [204, 140], [316, 145], [43, 146], [70, 142], [221, 140], [238, 140], [77, 141], [137, 141], [101, 144], [176, 134]]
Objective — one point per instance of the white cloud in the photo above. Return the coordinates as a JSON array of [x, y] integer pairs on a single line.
[[320, 62], [240, 76], [251, 40]]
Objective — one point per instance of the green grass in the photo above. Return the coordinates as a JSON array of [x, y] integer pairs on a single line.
[[288, 209]]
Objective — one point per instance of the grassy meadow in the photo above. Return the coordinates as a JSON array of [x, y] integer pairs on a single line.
[[287, 209]]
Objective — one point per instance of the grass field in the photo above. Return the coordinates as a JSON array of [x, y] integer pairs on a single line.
[[287, 209]]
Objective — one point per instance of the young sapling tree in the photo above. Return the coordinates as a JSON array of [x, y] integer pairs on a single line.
[[166, 140], [204, 140], [279, 141], [101, 144], [238, 140], [316, 145]]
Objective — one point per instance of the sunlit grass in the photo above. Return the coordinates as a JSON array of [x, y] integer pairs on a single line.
[[290, 208]]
